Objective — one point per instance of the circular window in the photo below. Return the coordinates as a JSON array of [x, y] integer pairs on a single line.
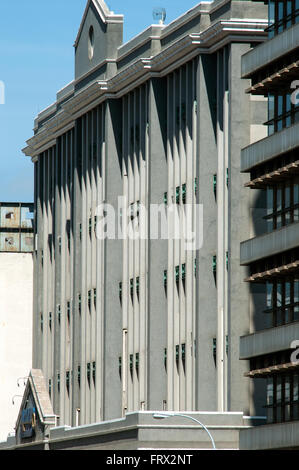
[[90, 43]]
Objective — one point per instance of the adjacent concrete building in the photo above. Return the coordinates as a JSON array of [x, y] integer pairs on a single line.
[[272, 255], [122, 325], [16, 297]]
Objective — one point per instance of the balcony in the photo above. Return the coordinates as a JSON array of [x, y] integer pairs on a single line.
[[269, 244], [270, 147], [268, 341], [271, 436], [271, 50]]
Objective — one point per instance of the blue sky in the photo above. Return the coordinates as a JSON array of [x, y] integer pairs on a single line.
[[37, 59]]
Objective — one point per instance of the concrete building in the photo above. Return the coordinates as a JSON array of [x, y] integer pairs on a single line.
[[123, 325], [272, 255], [16, 298]]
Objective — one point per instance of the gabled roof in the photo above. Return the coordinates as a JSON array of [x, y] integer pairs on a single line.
[[36, 385], [105, 14]]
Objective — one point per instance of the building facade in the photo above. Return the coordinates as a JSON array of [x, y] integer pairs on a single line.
[[272, 255], [124, 324], [16, 297]]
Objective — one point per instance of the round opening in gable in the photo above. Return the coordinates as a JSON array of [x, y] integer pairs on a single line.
[[90, 43]]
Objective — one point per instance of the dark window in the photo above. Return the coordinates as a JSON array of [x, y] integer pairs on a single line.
[[282, 301], [282, 398]]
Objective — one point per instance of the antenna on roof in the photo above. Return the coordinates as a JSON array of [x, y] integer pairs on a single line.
[[159, 14]]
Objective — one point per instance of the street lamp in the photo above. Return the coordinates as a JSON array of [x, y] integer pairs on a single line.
[[15, 396], [170, 414]]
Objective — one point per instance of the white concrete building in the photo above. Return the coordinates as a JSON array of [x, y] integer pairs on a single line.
[[16, 288]]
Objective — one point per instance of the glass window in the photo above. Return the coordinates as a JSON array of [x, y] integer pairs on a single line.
[[287, 389], [295, 387], [278, 198], [295, 414], [287, 397], [280, 15], [271, 104], [269, 391], [269, 295], [270, 226], [289, 13], [287, 292], [296, 199], [288, 102], [278, 398], [278, 389], [279, 112], [271, 16], [296, 290], [287, 203], [271, 112], [279, 295], [279, 318], [296, 11], [296, 190], [270, 399], [288, 110]]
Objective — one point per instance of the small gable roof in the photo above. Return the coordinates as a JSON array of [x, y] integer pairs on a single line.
[[104, 13], [36, 385]]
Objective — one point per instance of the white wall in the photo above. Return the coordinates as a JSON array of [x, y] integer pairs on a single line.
[[16, 292]]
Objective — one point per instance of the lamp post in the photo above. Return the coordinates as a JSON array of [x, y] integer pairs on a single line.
[[15, 396], [170, 414]]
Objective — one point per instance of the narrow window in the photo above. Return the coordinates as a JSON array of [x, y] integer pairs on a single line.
[[183, 352], [79, 304], [131, 364], [214, 264], [177, 355], [120, 291], [195, 187], [120, 367], [165, 279], [183, 272], [67, 381], [215, 185], [165, 199], [215, 350], [165, 359], [91, 43], [132, 288], [89, 299], [68, 311], [94, 372], [59, 313], [177, 274], [79, 375], [88, 370], [137, 364], [177, 194], [184, 196]]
